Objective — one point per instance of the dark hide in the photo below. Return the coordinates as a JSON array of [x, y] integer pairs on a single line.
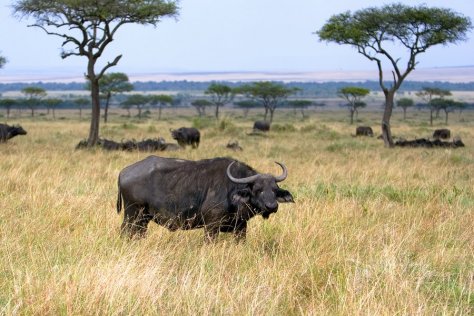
[[234, 145], [443, 133], [183, 194], [7, 132], [423, 142], [262, 126], [186, 136], [155, 144], [364, 131]]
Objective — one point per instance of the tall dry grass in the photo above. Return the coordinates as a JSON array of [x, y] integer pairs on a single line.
[[374, 231]]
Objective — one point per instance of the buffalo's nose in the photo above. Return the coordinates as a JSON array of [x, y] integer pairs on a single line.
[[271, 207]]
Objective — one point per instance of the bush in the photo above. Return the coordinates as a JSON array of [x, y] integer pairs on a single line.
[[202, 122]]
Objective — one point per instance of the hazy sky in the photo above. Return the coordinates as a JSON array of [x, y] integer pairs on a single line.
[[219, 36]]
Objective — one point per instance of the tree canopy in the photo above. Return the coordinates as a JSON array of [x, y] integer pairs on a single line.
[[221, 94], [353, 95], [374, 31], [268, 93], [3, 61]]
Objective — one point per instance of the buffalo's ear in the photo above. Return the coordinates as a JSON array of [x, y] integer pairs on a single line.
[[284, 196], [240, 196]]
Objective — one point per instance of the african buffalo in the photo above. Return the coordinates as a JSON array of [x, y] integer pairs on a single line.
[[7, 132], [262, 126], [364, 131], [186, 136], [219, 195], [442, 133], [234, 145]]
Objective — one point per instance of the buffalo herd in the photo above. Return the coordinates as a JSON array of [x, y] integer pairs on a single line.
[[219, 195], [7, 132]]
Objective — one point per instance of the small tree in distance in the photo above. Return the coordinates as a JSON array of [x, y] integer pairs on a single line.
[[269, 94], [137, 100], [161, 100], [300, 105], [246, 105], [200, 105], [81, 103], [221, 94], [33, 97], [353, 95], [427, 94], [8, 104], [114, 82], [373, 32], [405, 103], [52, 103]]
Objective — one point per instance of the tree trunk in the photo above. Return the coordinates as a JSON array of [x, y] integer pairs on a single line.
[[54, 114], [446, 117], [8, 112], [217, 111], [139, 112], [95, 119], [80, 113], [266, 113], [352, 115], [387, 114], [404, 114], [272, 110], [431, 117], [159, 112], [106, 109]]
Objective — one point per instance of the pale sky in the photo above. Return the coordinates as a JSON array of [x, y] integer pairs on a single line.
[[221, 36]]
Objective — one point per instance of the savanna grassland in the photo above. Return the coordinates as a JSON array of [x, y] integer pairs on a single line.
[[374, 231]]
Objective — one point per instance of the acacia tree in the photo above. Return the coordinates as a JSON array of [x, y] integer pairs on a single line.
[[269, 94], [52, 103], [8, 104], [33, 97], [427, 94], [221, 94], [301, 105], [405, 103], [161, 100], [114, 82], [447, 105], [81, 103], [137, 100], [373, 32], [353, 95], [246, 105], [200, 105], [87, 27]]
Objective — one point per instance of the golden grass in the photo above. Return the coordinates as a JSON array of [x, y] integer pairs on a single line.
[[374, 231]]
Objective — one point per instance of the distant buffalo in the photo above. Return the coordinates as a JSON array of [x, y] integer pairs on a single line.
[[423, 142], [442, 133], [234, 145], [262, 126], [364, 131], [7, 132], [186, 136]]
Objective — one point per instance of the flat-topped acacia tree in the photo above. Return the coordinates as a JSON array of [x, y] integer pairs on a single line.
[[375, 32], [87, 27]]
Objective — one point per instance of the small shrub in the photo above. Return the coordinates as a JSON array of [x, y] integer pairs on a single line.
[[202, 122]]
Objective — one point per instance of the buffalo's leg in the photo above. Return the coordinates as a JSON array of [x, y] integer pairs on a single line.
[[135, 221], [211, 233]]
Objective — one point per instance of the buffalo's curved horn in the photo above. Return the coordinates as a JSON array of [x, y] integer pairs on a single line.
[[241, 180], [284, 174]]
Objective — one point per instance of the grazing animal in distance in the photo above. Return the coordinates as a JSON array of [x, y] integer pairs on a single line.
[[7, 132], [186, 136], [219, 195], [442, 133], [262, 126], [234, 145], [364, 131]]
